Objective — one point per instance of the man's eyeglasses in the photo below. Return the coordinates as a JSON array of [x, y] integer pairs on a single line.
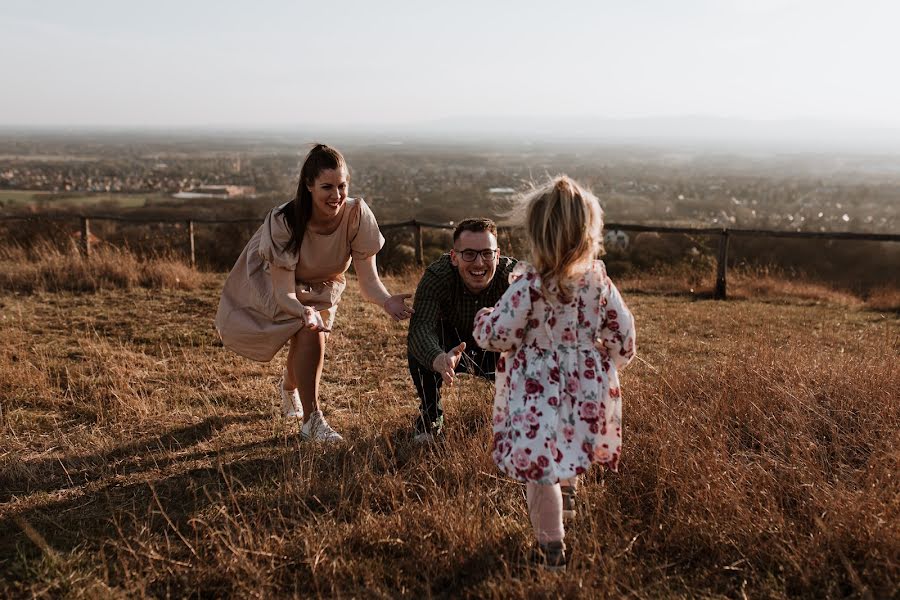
[[469, 255]]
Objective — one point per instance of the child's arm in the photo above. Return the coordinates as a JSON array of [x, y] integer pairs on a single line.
[[617, 335], [503, 327]]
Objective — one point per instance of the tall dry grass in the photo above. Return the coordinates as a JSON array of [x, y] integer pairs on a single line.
[[884, 298], [757, 283], [45, 267], [139, 458]]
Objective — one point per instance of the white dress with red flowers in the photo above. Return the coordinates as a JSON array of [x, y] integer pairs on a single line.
[[557, 407]]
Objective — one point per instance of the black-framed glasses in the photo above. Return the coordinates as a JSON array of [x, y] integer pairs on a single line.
[[469, 255]]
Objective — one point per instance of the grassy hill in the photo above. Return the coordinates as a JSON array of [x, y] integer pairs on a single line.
[[140, 458]]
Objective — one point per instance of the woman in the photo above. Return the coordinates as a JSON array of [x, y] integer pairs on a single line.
[[288, 281]]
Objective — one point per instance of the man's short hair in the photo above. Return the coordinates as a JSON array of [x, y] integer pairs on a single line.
[[475, 226]]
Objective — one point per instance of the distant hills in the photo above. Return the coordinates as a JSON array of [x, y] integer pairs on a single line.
[[798, 134], [734, 135]]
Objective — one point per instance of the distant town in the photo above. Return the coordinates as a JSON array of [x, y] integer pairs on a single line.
[[810, 192], [181, 180]]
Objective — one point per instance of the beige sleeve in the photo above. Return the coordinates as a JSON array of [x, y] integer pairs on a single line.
[[368, 239], [273, 241]]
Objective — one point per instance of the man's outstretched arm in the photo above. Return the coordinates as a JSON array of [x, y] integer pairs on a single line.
[[422, 338]]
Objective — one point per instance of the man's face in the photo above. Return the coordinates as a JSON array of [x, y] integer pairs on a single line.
[[478, 272]]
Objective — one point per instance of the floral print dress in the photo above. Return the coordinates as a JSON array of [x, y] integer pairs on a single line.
[[558, 407]]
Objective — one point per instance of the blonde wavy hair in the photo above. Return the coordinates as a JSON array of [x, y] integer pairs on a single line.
[[564, 225]]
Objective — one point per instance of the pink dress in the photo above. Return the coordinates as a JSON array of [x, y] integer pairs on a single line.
[[558, 407]]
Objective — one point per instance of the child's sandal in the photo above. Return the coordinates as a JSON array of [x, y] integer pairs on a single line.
[[550, 556], [569, 501]]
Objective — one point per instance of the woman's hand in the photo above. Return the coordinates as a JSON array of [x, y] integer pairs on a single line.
[[396, 307], [312, 320], [373, 290]]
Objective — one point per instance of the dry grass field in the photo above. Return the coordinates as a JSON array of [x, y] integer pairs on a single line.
[[140, 458]]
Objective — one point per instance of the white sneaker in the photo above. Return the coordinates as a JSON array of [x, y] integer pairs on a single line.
[[290, 402], [318, 429]]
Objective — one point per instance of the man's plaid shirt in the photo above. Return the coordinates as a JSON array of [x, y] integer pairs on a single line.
[[442, 296]]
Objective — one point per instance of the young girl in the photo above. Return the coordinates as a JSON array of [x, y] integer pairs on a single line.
[[564, 332]]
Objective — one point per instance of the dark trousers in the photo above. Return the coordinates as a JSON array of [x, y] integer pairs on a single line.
[[474, 361]]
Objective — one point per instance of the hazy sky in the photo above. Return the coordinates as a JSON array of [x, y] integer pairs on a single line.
[[269, 62]]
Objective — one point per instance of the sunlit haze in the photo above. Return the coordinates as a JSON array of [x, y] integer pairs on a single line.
[[383, 64]]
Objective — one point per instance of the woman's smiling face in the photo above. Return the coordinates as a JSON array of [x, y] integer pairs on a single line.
[[329, 193]]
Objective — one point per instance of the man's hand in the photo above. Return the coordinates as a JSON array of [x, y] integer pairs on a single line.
[[445, 363]]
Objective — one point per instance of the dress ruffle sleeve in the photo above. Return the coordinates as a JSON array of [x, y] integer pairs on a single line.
[[274, 237], [524, 269], [368, 239], [504, 327], [617, 338]]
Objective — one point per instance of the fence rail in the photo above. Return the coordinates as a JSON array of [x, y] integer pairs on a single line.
[[723, 233]]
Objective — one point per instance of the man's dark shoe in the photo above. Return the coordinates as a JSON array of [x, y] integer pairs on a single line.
[[429, 432]]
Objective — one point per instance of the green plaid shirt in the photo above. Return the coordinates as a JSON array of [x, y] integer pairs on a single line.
[[442, 296]]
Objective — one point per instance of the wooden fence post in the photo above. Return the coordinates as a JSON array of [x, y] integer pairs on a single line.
[[85, 237], [190, 230], [420, 253], [721, 267]]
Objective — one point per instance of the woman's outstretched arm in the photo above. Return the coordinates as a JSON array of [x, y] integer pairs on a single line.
[[374, 291]]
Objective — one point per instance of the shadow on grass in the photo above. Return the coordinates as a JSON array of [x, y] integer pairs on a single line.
[[482, 565], [120, 511], [57, 474], [242, 476]]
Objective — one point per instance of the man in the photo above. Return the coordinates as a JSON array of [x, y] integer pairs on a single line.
[[439, 343]]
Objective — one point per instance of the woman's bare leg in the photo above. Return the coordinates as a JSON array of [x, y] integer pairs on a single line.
[[287, 379], [306, 357]]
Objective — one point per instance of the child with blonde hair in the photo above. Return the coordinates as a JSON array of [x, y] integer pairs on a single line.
[[564, 333]]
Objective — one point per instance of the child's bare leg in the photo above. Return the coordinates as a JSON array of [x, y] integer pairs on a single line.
[[545, 511]]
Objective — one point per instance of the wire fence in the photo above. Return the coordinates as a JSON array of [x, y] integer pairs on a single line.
[[724, 234]]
